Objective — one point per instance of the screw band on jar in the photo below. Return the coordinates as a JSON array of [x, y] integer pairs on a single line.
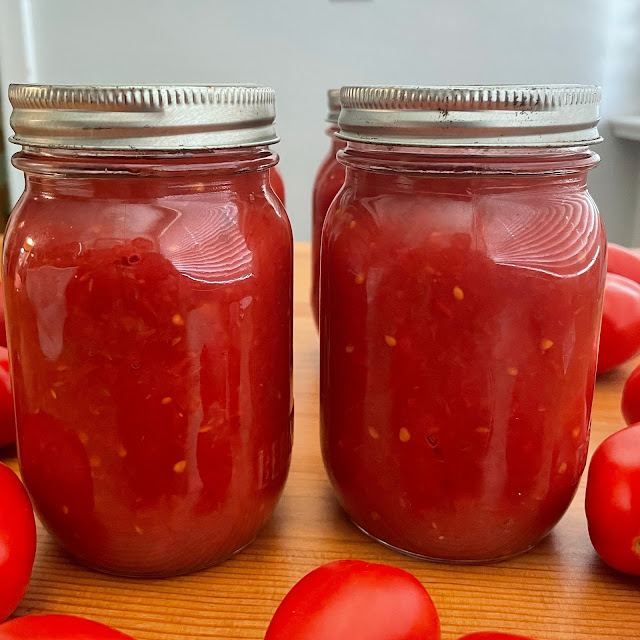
[[333, 105], [471, 116], [162, 117]]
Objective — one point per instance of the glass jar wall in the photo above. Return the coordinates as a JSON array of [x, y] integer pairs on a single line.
[[461, 294], [148, 298]]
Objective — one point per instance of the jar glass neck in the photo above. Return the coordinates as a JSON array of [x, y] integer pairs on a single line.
[[131, 164], [458, 161]]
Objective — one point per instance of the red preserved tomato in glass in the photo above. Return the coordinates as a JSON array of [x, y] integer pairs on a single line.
[[631, 398], [17, 541], [149, 299], [7, 418], [620, 331], [57, 627], [277, 183], [460, 304], [329, 180], [613, 500], [349, 599], [131, 364], [625, 262]]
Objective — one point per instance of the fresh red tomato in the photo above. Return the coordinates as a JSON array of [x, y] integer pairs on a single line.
[[620, 333], [349, 599], [52, 627], [493, 635], [3, 328], [623, 261], [613, 500], [7, 419], [17, 541], [631, 397]]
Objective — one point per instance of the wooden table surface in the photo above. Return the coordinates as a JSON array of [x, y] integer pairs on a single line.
[[560, 589]]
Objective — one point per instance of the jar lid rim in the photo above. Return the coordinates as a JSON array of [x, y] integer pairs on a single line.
[[472, 115], [143, 116], [333, 105]]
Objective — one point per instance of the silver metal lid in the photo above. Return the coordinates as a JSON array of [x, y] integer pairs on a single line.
[[472, 116], [333, 104], [162, 117]]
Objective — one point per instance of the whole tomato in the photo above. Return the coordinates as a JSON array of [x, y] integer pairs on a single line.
[[52, 627], [349, 599], [620, 333], [613, 500], [17, 541], [631, 397], [3, 328], [7, 418], [493, 635], [623, 261]]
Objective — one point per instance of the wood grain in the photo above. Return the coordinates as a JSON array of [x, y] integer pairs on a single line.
[[559, 590]]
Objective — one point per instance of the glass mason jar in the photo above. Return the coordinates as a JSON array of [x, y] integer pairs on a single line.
[[329, 179], [462, 276], [148, 292]]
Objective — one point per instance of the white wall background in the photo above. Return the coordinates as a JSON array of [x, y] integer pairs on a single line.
[[303, 47]]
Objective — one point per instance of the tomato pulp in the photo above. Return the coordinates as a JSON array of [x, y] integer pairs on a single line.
[[149, 317], [329, 179], [459, 317]]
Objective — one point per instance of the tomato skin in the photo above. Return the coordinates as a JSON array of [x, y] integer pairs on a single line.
[[350, 599], [620, 332], [631, 397], [3, 328], [55, 627], [17, 541], [623, 261], [613, 500], [7, 417], [493, 635]]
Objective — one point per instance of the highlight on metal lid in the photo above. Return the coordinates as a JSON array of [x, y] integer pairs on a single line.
[[471, 116], [145, 117], [333, 104]]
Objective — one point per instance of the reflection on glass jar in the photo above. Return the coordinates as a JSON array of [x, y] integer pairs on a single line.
[[461, 292]]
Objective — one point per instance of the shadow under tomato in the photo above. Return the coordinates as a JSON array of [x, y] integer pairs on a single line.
[[8, 453], [610, 377], [598, 567], [619, 374]]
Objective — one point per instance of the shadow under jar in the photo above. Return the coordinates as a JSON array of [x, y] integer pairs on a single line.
[[462, 275], [148, 291], [328, 181]]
